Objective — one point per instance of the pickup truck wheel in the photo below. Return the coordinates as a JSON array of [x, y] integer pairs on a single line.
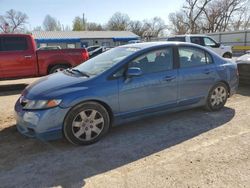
[[227, 55], [86, 123], [58, 68]]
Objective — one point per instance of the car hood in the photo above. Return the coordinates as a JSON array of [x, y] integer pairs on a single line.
[[229, 48], [55, 86]]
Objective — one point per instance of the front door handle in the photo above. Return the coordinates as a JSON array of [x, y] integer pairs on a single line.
[[169, 78]]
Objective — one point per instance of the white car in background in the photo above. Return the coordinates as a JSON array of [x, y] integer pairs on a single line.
[[203, 40]]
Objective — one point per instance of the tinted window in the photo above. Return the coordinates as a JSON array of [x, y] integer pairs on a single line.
[[180, 39], [14, 44], [191, 57], [197, 40], [1, 49], [155, 61]]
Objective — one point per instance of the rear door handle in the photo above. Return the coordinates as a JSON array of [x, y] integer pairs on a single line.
[[207, 71], [28, 56], [169, 78]]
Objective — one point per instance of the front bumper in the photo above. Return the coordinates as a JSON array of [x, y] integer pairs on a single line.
[[42, 124]]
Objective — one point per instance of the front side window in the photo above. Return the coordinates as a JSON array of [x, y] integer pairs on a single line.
[[192, 57], [14, 44], [155, 61], [209, 42]]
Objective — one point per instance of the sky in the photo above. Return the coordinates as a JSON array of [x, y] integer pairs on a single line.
[[95, 10]]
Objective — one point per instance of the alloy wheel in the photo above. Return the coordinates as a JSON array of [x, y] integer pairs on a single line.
[[218, 96], [87, 125]]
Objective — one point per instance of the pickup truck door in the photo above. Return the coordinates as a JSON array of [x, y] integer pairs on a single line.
[[17, 57]]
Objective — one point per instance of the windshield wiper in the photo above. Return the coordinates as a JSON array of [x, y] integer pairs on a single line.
[[82, 73]]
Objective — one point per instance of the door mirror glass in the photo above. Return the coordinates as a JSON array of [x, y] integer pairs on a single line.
[[134, 72]]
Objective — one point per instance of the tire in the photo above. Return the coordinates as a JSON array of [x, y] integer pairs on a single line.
[[227, 55], [57, 68], [217, 97], [86, 123]]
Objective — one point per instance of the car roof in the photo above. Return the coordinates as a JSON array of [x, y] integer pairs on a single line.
[[189, 35], [145, 45], [14, 35]]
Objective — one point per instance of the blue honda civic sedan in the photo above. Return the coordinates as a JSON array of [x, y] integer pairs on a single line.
[[127, 82]]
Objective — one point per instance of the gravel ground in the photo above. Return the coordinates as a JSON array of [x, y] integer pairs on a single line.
[[192, 148]]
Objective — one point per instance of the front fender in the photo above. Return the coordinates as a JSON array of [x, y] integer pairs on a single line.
[[107, 94]]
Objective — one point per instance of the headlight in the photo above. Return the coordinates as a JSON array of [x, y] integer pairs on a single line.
[[40, 104]]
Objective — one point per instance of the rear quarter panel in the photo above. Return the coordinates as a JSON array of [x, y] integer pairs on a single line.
[[228, 73], [47, 58]]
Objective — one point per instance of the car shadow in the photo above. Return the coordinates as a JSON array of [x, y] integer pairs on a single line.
[[33, 162], [11, 89]]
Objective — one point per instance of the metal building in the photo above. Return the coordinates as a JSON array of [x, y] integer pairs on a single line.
[[80, 39]]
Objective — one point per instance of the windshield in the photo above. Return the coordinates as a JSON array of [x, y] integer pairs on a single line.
[[105, 60]]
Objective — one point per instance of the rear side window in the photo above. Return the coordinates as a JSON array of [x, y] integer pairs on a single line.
[[13, 44], [192, 57], [197, 40], [179, 39]]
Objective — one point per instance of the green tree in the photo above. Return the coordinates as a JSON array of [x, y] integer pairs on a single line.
[[78, 24]]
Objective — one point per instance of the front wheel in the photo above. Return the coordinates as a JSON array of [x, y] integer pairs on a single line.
[[86, 123], [217, 97], [227, 55]]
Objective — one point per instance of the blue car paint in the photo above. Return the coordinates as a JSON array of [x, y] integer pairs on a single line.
[[126, 99]]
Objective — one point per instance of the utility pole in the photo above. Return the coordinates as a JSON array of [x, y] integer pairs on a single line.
[[84, 22]]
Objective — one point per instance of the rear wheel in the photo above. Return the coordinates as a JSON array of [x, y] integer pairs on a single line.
[[217, 97], [86, 123], [58, 68]]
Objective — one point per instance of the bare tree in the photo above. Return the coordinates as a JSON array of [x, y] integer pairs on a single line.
[[66, 28], [179, 24], [204, 16], [193, 10], [154, 27], [223, 15], [13, 21], [37, 28], [51, 24], [118, 22], [137, 27], [91, 26]]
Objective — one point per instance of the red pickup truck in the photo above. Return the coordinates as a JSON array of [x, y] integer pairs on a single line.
[[19, 57]]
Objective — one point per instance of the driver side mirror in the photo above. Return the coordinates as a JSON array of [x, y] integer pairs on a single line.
[[133, 72], [217, 45]]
